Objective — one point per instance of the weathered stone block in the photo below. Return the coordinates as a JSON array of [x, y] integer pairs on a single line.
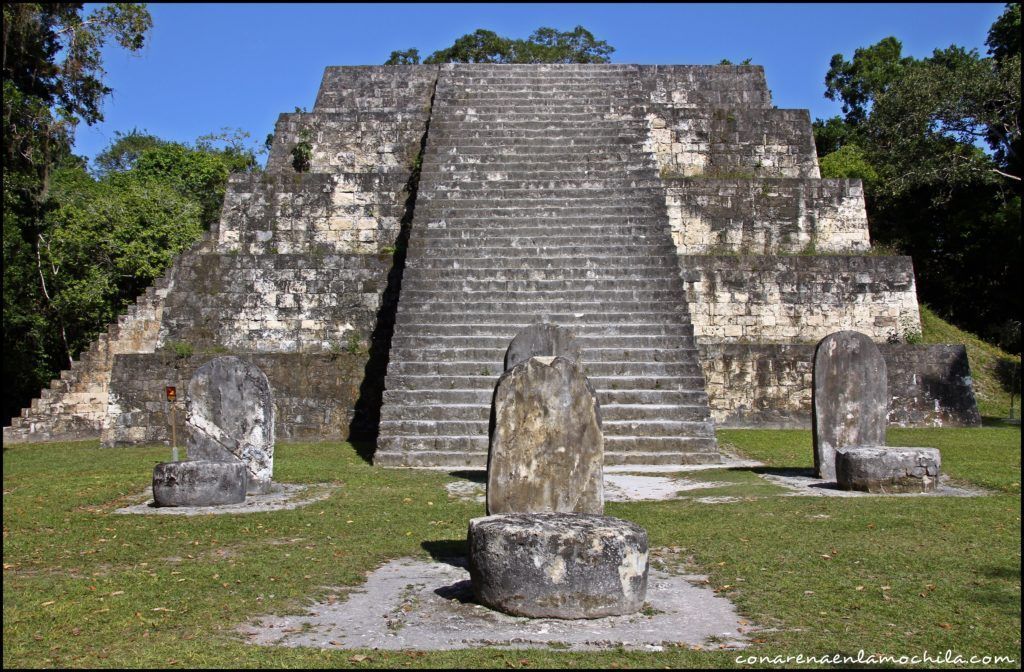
[[542, 340], [558, 565], [230, 416], [546, 449], [849, 397], [886, 470], [199, 483]]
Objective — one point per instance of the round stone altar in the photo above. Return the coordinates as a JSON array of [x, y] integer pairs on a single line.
[[888, 469], [558, 565], [199, 483]]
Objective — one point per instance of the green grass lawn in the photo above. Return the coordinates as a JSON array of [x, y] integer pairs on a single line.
[[86, 588]]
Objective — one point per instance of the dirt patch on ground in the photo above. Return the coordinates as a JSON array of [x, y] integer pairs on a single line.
[[415, 604], [282, 496]]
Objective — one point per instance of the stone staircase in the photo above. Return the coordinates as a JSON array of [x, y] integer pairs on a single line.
[[537, 203]]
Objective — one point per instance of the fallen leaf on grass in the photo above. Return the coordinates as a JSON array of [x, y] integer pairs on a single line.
[[46, 604], [117, 592], [945, 626], [358, 658]]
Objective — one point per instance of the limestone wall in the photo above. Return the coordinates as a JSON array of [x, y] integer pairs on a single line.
[[767, 216], [769, 385], [786, 299], [310, 302], [705, 86], [314, 395], [346, 212], [733, 142]]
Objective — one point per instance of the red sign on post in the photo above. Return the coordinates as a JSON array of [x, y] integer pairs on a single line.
[[171, 393]]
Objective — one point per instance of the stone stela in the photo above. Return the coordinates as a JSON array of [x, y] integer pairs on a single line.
[[546, 550], [849, 410], [230, 438]]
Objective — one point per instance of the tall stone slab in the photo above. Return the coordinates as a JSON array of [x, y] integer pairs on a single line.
[[542, 340], [230, 416], [849, 399], [547, 450]]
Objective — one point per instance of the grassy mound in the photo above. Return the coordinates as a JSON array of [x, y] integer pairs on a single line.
[[989, 364]]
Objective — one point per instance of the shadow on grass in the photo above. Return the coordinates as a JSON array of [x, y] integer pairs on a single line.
[[475, 475], [805, 472], [992, 421], [1001, 590], [449, 551], [365, 449]]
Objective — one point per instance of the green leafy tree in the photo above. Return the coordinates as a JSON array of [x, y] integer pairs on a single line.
[[937, 143], [52, 81], [407, 57], [104, 242], [545, 45], [122, 154]]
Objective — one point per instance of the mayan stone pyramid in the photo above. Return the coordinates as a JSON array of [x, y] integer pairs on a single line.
[[669, 216]]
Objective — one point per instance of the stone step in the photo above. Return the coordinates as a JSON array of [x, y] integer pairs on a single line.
[[538, 237], [676, 316], [604, 161], [606, 397], [611, 174], [508, 329], [512, 110], [652, 382], [624, 342], [550, 249], [427, 242], [626, 146], [648, 429], [590, 355], [619, 185], [547, 261], [700, 453], [494, 368], [467, 215], [532, 226], [469, 307], [452, 459], [481, 412], [575, 275], [567, 293], [499, 118]]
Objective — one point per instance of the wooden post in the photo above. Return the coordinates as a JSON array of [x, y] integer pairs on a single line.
[[171, 398]]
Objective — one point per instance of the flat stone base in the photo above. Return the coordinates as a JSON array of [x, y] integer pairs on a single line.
[[558, 565], [199, 483], [885, 470]]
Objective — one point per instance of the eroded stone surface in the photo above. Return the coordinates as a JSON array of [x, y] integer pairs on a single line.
[[542, 340], [547, 449], [199, 483], [558, 565], [881, 469], [849, 399], [230, 416]]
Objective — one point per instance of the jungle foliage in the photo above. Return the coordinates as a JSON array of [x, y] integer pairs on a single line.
[[937, 142]]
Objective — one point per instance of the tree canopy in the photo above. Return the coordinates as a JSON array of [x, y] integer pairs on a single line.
[[545, 45], [79, 245], [937, 141]]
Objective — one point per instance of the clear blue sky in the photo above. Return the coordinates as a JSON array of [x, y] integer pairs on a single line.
[[209, 66]]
